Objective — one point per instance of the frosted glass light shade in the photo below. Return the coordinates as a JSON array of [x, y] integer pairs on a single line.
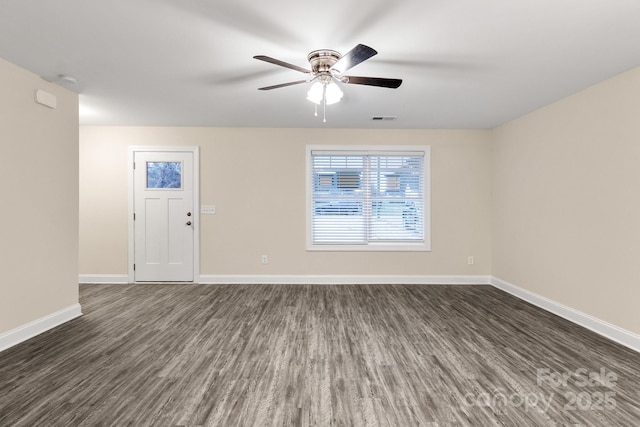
[[316, 93], [333, 93]]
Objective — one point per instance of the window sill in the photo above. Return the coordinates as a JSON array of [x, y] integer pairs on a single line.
[[372, 247]]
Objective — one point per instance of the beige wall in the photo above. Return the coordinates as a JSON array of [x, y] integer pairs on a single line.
[[255, 177], [566, 201], [39, 215]]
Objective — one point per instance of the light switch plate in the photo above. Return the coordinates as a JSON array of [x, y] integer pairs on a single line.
[[207, 209]]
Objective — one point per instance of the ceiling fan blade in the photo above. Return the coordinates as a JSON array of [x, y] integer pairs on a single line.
[[283, 85], [352, 58], [372, 81], [281, 63]]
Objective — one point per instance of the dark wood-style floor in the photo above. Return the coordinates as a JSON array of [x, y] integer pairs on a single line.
[[269, 355]]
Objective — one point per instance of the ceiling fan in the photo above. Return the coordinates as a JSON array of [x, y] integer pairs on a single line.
[[327, 68]]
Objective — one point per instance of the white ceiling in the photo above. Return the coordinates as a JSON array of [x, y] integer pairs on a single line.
[[465, 63]]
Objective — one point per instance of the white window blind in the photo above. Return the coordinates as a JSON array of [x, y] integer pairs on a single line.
[[367, 198]]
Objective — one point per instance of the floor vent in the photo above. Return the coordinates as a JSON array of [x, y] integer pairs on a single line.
[[387, 118]]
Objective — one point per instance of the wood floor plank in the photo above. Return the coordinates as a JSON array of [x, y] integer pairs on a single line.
[[304, 355]]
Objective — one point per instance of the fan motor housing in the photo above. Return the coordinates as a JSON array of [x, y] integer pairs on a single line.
[[322, 60]]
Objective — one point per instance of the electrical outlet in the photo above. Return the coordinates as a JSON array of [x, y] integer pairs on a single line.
[[265, 259], [470, 260]]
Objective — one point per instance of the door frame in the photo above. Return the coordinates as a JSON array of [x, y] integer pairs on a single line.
[[195, 150]]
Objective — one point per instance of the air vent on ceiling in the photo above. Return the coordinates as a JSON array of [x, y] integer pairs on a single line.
[[386, 118]]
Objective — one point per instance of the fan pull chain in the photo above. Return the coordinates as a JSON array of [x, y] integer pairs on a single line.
[[324, 103], [315, 107]]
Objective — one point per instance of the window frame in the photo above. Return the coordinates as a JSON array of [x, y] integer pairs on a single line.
[[368, 150]]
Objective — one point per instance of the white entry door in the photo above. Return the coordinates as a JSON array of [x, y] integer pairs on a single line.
[[164, 216]]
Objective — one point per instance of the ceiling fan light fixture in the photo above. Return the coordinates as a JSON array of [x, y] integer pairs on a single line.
[[324, 93]]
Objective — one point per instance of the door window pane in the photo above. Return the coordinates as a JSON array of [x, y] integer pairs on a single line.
[[164, 174]]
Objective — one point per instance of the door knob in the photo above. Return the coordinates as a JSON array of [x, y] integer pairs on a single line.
[[188, 213], [188, 222]]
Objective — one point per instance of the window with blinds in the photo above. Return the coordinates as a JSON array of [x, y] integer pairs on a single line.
[[367, 199]]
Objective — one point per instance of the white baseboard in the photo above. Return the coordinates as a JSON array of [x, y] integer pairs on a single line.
[[607, 330], [344, 279], [324, 279], [31, 329], [103, 279]]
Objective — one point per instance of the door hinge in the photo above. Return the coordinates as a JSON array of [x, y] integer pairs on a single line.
[[134, 165], [134, 267], [134, 216]]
